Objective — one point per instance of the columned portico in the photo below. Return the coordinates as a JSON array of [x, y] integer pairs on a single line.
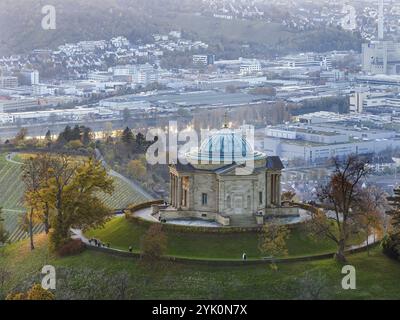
[[207, 190], [180, 191]]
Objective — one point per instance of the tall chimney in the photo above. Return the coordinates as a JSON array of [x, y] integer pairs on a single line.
[[380, 20]]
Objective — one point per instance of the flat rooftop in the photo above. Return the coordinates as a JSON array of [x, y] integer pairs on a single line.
[[195, 98]]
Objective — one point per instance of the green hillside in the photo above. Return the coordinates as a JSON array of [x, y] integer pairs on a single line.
[[137, 19], [94, 275]]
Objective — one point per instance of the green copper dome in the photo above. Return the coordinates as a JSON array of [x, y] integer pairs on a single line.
[[225, 146]]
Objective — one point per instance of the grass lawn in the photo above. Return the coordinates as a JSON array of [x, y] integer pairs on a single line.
[[121, 234], [377, 276]]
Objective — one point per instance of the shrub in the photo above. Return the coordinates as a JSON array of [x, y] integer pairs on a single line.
[[154, 244], [74, 144], [38, 293], [34, 293], [17, 296], [71, 247]]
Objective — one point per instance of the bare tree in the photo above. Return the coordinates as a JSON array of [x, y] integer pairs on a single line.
[[339, 196], [370, 212], [32, 180]]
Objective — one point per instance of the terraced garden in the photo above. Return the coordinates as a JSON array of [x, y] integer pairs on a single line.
[[12, 190]]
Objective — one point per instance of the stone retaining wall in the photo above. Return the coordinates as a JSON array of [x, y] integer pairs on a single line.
[[229, 262]]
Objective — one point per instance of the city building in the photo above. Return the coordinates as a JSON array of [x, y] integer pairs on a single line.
[[203, 59], [102, 76], [320, 141], [376, 102], [249, 66], [142, 74], [192, 99], [379, 80], [29, 77], [381, 56], [357, 100], [304, 61], [16, 105], [145, 74], [45, 116], [8, 82]]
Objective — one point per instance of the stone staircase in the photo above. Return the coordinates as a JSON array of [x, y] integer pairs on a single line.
[[242, 220]]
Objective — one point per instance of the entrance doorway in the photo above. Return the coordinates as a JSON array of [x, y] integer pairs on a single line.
[[238, 204]]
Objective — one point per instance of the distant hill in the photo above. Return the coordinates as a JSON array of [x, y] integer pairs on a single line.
[[20, 25]]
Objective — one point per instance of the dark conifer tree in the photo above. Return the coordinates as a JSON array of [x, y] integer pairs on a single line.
[[127, 136]]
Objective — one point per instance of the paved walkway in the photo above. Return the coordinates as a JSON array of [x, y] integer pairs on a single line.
[[146, 215], [77, 234], [14, 210], [371, 240], [10, 158]]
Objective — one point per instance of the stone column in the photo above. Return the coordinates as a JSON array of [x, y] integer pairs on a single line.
[[172, 190], [221, 197], [176, 192], [278, 188], [272, 188], [253, 198], [179, 192], [191, 193], [267, 189]]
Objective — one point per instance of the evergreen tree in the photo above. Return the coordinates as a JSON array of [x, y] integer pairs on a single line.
[[86, 136], [67, 133], [127, 136], [140, 139], [65, 136], [76, 133], [48, 136]]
